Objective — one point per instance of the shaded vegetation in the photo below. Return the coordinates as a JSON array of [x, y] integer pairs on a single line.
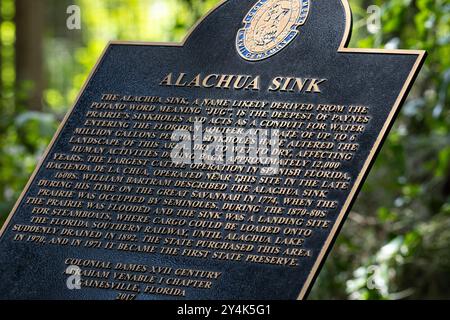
[[396, 242]]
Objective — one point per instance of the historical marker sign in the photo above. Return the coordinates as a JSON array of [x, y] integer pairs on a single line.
[[221, 168]]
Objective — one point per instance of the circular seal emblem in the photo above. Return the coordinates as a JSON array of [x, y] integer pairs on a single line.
[[270, 26]]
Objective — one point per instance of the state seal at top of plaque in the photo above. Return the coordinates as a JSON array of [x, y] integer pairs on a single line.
[[270, 26]]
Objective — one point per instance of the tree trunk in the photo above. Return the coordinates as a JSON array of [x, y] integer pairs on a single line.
[[30, 79]]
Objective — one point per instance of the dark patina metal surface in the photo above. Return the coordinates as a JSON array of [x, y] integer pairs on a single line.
[[376, 79]]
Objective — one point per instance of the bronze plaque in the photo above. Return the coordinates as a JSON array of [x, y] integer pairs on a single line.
[[219, 168]]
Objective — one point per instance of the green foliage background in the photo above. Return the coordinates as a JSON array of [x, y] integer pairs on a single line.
[[396, 242]]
